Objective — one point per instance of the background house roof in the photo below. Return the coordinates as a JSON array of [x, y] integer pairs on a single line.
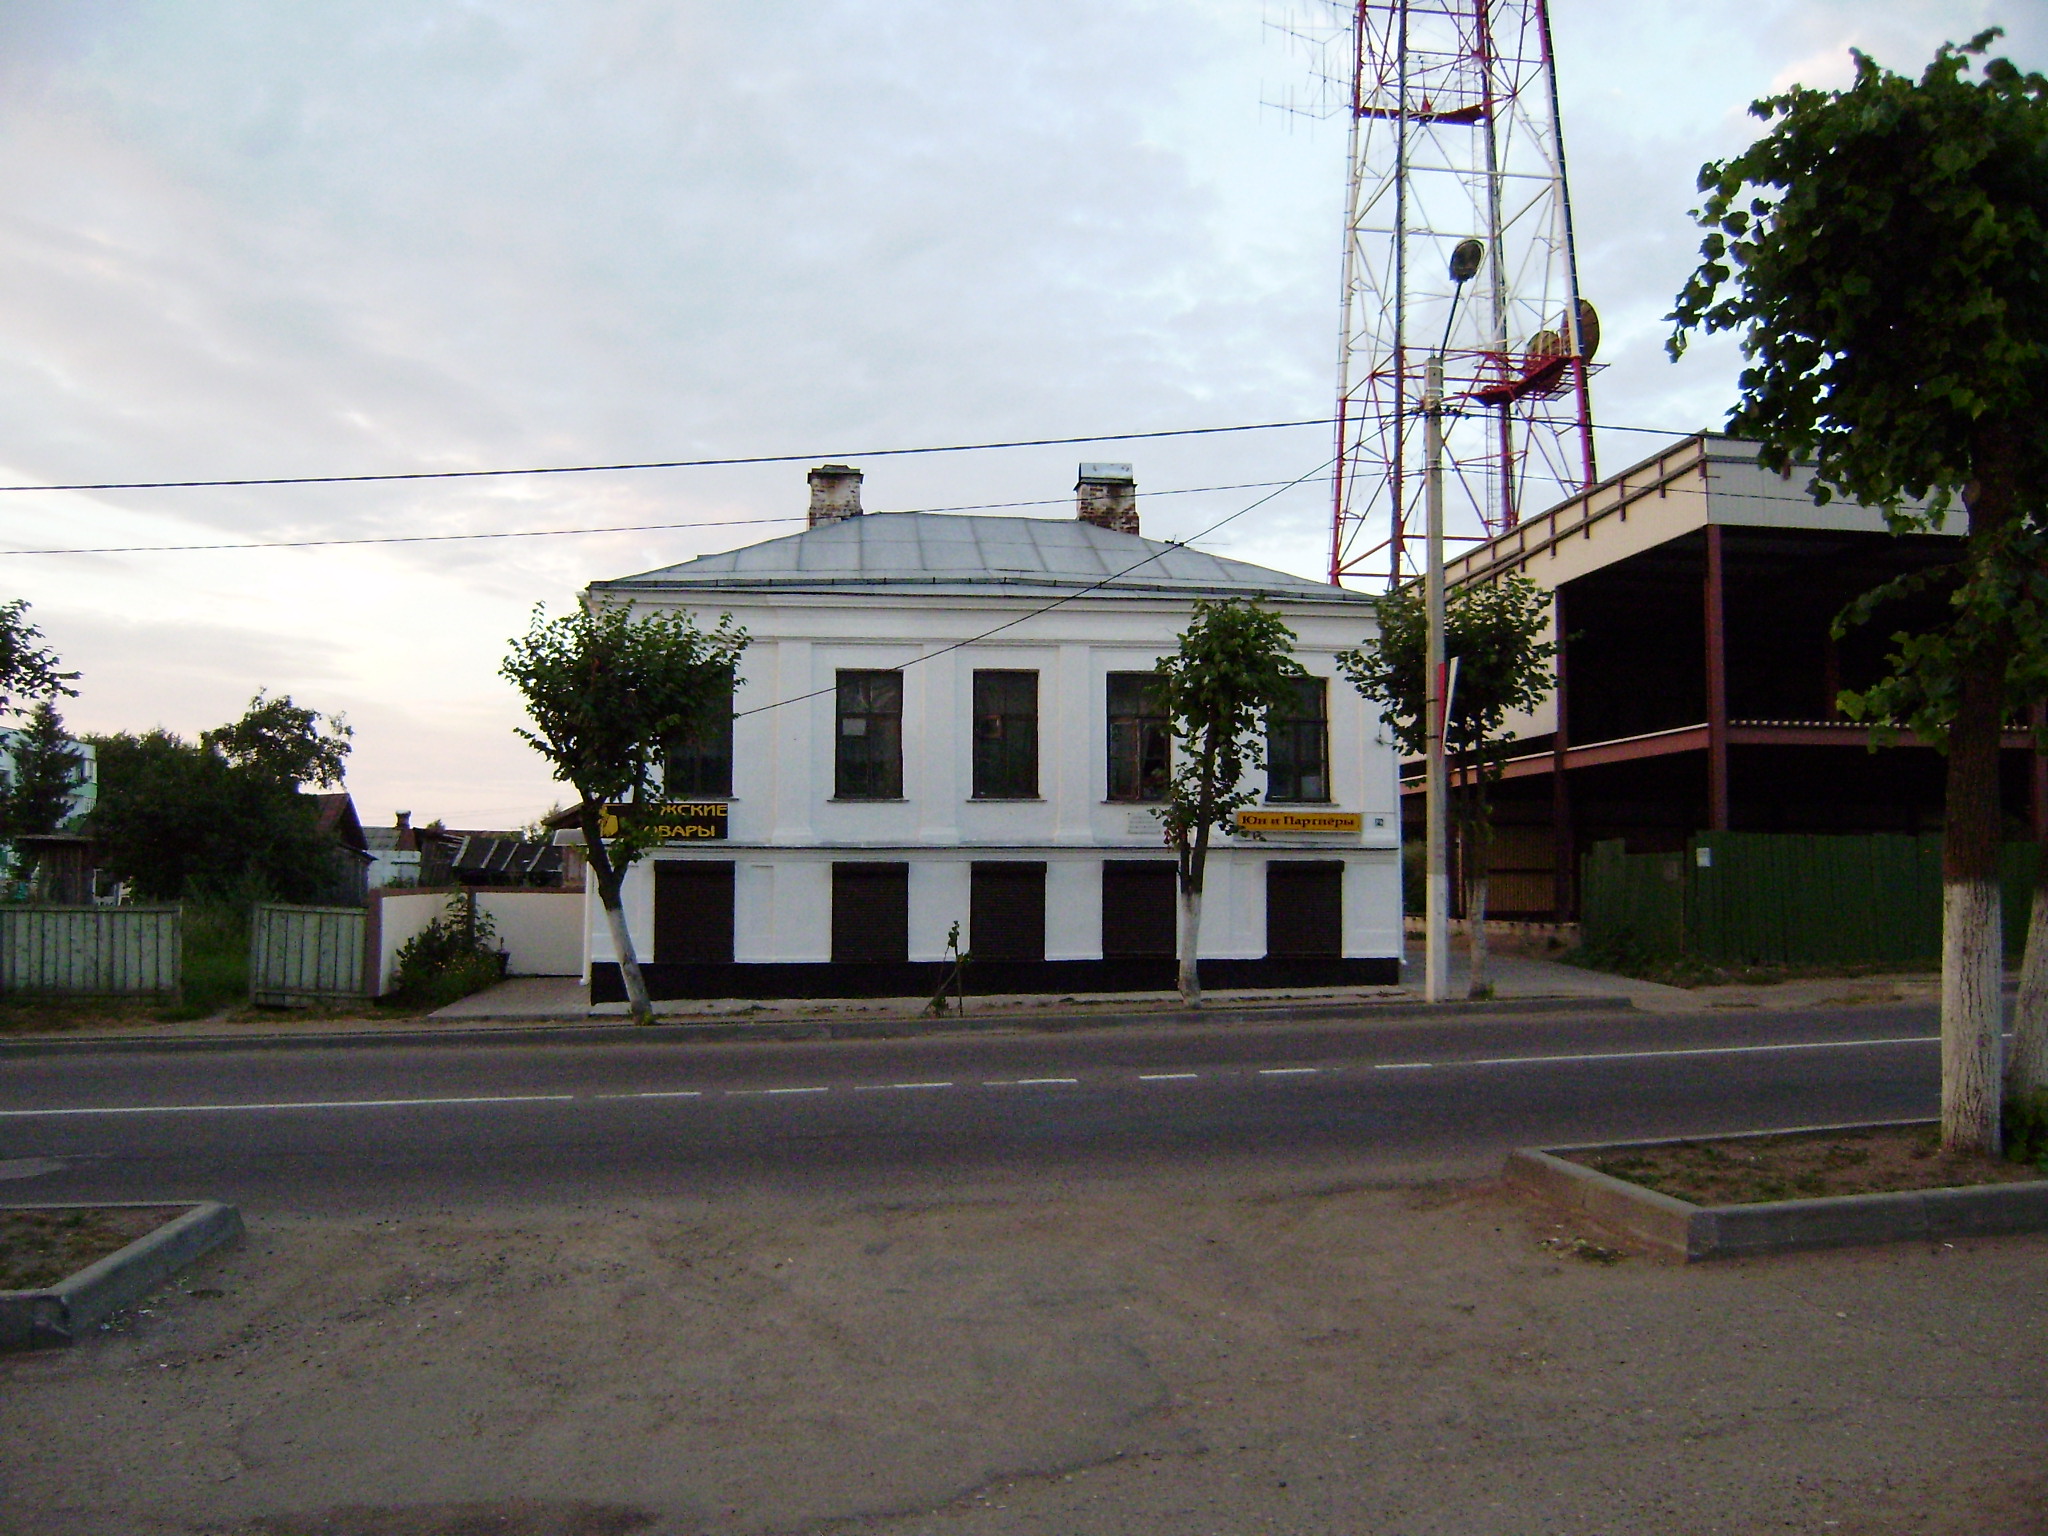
[[937, 554]]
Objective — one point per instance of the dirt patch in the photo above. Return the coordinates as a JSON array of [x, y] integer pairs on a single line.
[[39, 1248], [1741, 1170]]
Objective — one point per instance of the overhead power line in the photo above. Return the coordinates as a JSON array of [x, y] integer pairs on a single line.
[[553, 533], [1058, 602], [768, 458], [605, 469]]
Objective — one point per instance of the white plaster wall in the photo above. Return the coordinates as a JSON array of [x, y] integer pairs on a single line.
[[1073, 906], [940, 895], [786, 828], [540, 931]]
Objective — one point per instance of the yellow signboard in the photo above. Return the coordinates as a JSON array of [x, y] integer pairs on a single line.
[[678, 822], [1300, 821]]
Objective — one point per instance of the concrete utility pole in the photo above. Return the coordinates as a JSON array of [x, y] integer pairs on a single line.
[[1436, 963]]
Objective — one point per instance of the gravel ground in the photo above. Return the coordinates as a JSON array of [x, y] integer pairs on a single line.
[[1147, 1353]]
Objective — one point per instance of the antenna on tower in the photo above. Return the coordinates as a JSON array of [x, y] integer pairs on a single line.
[[1454, 140]]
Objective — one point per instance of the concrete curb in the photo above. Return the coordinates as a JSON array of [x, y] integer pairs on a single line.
[[60, 1314], [1695, 1232], [720, 1030]]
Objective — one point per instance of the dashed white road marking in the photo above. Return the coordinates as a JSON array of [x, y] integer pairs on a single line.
[[896, 1087], [1019, 1082], [1029, 1082], [1699, 1050], [216, 1109]]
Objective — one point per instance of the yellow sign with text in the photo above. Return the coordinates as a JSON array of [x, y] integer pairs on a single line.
[[1301, 821], [682, 822]]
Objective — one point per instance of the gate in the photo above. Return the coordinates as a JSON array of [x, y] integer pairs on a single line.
[[300, 956]]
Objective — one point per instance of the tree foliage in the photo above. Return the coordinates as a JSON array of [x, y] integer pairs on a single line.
[[1234, 663], [1504, 663], [37, 796], [604, 688], [1880, 250], [28, 668], [278, 740], [1883, 251], [222, 819], [1495, 633]]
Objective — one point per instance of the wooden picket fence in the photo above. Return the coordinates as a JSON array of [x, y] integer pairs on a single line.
[[90, 950], [300, 956]]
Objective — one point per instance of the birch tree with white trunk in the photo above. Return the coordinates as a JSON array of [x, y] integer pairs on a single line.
[[1234, 664], [1879, 252], [605, 688]]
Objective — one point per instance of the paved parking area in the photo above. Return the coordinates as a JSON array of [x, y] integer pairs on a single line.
[[1226, 1351]]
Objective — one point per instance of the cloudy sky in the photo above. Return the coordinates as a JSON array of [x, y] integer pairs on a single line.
[[240, 238]]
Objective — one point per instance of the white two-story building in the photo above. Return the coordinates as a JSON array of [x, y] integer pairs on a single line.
[[951, 719]]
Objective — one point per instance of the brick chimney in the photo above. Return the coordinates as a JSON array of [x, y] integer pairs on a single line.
[[1107, 496], [835, 493]]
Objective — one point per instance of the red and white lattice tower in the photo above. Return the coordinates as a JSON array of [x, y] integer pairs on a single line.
[[1454, 136]]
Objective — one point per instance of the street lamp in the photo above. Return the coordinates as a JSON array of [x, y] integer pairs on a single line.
[[1466, 259]]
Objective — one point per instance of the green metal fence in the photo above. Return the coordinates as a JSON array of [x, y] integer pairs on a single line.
[[1762, 898]]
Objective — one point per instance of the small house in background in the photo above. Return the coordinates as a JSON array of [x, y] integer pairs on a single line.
[[336, 818], [403, 854], [506, 859]]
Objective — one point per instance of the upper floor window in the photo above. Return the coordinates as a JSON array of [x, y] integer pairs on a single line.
[[1298, 743], [1005, 735], [1140, 750], [868, 737], [696, 762]]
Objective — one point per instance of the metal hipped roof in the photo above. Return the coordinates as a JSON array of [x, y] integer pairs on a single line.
[[937, 554]]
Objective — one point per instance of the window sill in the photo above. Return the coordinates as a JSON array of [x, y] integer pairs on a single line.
[[1142, 805], [1006, 800], [868, 800], [1270, 800]]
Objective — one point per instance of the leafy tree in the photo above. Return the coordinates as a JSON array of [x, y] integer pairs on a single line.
[[28, 668], [604, 688], [1495, 633], [278, 740], [38, 793], [1919, 696], [222, 819], [1234, 664], [1879, 249]]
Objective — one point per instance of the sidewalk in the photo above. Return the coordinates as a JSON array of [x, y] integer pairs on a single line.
[[535, 999]]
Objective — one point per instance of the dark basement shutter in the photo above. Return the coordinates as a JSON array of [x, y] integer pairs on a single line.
[[693, 912], [1305, 908], [870, 913], [1006, 911], [1137, 908]]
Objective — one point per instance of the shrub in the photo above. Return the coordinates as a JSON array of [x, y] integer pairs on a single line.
[[454, 955], [2026, 1128]]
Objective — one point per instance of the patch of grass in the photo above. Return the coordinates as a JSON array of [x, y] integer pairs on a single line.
[[39, 1248], [1806, 1165], [216, 965], [1689, 971]]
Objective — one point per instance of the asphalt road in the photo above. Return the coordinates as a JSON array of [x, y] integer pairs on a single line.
[[326, 1130]]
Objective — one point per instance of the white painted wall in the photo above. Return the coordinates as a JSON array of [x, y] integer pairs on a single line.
[[785, 828], [540, 931]]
